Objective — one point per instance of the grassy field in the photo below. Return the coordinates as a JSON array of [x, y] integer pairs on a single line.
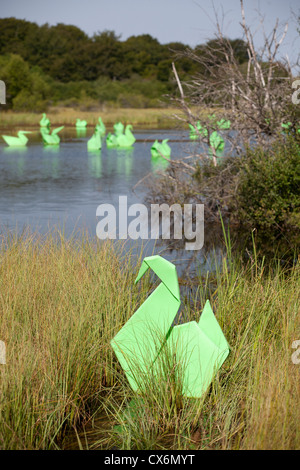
[[67, 116], [62, 301], [150, 117]]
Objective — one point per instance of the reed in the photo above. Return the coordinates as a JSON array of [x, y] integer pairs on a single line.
[[145, 117], [61, 303], [253, 401], [151, 117]]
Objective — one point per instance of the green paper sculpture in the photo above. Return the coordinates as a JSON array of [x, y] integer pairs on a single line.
[[201, 130], [118, 128], [127, 139], [286, 126], [161, 149], [53, 138], [19, 141], [111, 140], [44, 122], [94, 143], [200, 347], [216, 141], [79, 123], [223, 124], [100, 127]]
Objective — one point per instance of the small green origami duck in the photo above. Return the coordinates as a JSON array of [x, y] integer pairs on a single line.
[[111, 141], [45, 122], [200, 347], [53, 138], [216, 141], [127, 139], [118, 128], [100, 127], [94, 143], [162, 149], [19, 141], [80, 124], [224, 124], [198, 131]]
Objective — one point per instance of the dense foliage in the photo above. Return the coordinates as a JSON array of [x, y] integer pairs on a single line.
[[268, 193], [259, 191], [48, 64]]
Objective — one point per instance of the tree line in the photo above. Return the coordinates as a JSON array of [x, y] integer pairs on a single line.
[[48, 64]]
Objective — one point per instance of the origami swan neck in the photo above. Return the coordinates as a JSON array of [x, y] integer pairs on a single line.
[[165, 270]]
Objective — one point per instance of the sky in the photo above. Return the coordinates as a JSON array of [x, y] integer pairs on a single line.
[[188, 21]]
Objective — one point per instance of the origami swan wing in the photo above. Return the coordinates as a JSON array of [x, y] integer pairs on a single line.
[[201, 349], [57, 130], [138, 343]]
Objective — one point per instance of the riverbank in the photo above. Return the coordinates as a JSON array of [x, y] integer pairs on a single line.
[[61, 303], [162, 118]]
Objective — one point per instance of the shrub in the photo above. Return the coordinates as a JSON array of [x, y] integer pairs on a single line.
[[268, 192]]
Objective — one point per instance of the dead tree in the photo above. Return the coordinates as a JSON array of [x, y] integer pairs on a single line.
[[256, 98]]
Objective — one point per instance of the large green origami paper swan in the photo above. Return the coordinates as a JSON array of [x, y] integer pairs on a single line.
[[19, 141], [201, 347]]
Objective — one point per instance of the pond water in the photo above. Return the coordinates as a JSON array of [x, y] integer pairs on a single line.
[[45, 187]]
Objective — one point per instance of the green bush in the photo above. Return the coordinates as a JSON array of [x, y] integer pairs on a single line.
[[268, 193]]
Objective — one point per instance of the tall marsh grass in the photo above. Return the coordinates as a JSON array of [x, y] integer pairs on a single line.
[[253, 402], [61, 303], [150, 117]]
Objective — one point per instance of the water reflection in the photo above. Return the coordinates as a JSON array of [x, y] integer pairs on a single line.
[[95, 163], [81, 132], [15, 150], [159, 164], [51, 149], [124, 161], [51, 167]]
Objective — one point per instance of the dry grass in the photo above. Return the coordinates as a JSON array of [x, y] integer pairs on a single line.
[[149, 117], [152, 117], [62, 301]]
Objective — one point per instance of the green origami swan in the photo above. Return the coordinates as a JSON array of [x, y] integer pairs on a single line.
[[118, 128], [111, 140], [161, 149], [100, 127], [194, 132], [127, 139], [200, 347], [94, 143], [119, 139], [19, 141], [80, 123], [216, 141], [224, 124], [53, 138], [45, 122]]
